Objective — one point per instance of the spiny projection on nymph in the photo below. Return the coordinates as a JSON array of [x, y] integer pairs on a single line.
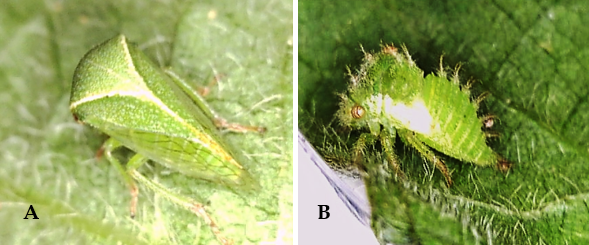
[[390, 96]]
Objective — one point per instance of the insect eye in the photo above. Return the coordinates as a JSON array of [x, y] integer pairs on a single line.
[[357, 111]]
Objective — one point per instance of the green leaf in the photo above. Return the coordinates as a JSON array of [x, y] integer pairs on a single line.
[[48, 160], [532, 57]]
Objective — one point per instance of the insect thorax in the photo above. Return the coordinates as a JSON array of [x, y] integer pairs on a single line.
[[386, 90]]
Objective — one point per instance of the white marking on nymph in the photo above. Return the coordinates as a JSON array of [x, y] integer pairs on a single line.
[[374, 103], [414, 116]]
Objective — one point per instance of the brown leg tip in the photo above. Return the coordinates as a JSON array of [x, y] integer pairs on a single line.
[[400, 175], [99, 153], [262, 130], [504, 166], [449, 182]]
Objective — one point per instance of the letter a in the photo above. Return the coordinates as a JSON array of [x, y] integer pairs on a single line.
[[31, 212]]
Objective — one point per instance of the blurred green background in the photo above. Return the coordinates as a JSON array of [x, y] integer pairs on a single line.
[[47, 160], [533, 56]]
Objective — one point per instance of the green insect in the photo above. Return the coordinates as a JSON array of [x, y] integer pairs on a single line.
[[119, 91], [390, 96]]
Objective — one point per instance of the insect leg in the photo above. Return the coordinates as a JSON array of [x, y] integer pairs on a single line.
[[208, 110], [109, 146], [183, 201], [187, 203], [235, 127], [491, 134], [426, 152], [503, 165], [360, 145], [204, 91], [387, 141]]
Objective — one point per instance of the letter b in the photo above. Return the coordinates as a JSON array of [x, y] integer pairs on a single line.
[[323, 209]]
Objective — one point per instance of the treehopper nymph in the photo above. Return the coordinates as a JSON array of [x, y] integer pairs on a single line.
[[390, 96], [119, 91]]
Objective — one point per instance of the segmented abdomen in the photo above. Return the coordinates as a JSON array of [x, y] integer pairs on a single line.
[[456, 129]]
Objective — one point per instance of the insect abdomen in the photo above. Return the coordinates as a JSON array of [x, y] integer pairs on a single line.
[[456, 129]]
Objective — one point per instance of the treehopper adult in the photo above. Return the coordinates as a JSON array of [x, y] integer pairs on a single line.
[[121, 92]]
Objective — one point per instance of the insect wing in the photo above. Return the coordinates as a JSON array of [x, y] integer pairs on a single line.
[[188, 156]]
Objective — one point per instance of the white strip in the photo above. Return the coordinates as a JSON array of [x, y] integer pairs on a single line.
[[415, 116], [141, 92]]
